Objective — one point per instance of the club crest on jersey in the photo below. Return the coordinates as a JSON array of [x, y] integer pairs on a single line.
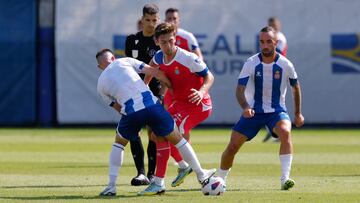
[[152, 52], [177, 71], [277, 75]]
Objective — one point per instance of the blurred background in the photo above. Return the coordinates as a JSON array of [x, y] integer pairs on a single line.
[[49, 73]]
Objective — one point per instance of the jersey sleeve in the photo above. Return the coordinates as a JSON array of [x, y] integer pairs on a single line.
[[193, 43], [197, 66], [105, 97], [136, 64], [129, 45], [158, 57], [292, 74], [245, 74]]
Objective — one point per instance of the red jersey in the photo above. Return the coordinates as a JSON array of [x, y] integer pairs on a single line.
[[186, 40], [185, 72]]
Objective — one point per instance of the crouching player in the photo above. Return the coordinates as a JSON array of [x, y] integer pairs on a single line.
[[122, 88]]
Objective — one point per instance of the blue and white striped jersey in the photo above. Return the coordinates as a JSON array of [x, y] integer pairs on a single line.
[[266, 84], [121, 82]]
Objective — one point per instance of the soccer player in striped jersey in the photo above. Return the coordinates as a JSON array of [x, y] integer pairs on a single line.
[[122, 88], [261, 94], [281, 48], [190, 80]]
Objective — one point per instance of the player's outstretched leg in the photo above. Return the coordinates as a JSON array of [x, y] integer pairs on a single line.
[[190, 157], [184, 169]]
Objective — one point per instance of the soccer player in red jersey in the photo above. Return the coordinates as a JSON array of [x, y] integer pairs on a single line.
[[190, 80], [184, 39]]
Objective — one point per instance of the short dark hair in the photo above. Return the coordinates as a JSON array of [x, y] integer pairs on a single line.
[[273, 19], [163, 29], [150, 9], [171, 10], [267, 29], [103, 51]]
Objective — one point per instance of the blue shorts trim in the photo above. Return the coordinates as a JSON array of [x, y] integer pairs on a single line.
[[251, 126], [154, 116]]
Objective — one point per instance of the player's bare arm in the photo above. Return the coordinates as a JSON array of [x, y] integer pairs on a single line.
[[299, 118], [240, 96], [147, 77], [117, 106], [151, 71], [197, 51], [197, 95]]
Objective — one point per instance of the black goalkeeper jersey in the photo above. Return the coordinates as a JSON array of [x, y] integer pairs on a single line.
[[143, 48]]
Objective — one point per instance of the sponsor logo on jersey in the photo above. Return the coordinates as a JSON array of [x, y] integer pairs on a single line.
[[258, 74], [345, 52]]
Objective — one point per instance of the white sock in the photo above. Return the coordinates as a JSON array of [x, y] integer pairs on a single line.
[[223, 173], [189, 156], [159, 181], [115, 162], [285, 160], [182, 164]]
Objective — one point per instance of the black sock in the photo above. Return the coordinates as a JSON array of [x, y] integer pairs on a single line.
[[137, 151], [151, 152]]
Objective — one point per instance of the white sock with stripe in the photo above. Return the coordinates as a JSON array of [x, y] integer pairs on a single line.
[[189, 156], [115, 162]]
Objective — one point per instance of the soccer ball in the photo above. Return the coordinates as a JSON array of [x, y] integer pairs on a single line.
[[214, 186]]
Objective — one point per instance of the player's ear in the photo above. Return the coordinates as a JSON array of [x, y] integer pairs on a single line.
[[156, 41]]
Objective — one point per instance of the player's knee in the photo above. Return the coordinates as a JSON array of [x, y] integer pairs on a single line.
[[284, 134], [120, 140]]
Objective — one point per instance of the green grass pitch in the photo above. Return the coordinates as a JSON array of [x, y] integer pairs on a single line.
[[70, 165]]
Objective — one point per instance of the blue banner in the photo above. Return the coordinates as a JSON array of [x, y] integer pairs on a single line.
[[18, 62]]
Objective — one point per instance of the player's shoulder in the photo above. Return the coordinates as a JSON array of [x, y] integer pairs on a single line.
[[158, 57], [183, 54], [253, 60], [183, 32], [188, 59], [284, 62], [281, 36], [131, 37], [139, 34]]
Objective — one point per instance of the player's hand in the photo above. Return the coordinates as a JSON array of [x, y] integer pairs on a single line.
[[196, 96], [248, 113], [299, 120]]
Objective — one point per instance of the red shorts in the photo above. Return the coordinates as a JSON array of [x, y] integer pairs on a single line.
[[188, 116], [168, 99]]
